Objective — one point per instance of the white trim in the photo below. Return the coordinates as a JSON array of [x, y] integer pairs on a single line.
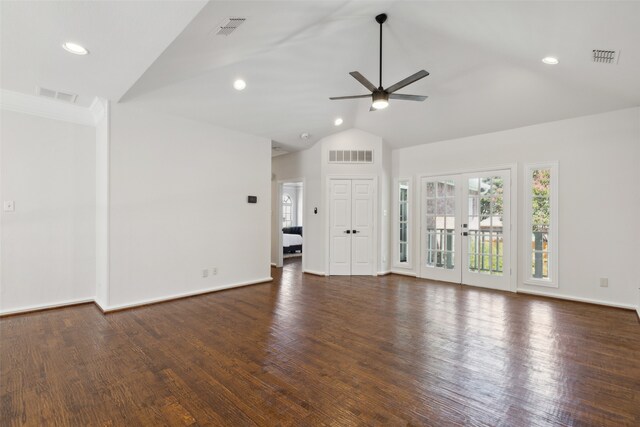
[[315, 273], [184, 295], [552, 281], [47, 108], [383, 273], [327, 223], [273, 264], [31, 308], [577, 299], [405, 273]]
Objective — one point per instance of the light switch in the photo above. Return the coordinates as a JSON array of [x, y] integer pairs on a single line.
[[9, 206]]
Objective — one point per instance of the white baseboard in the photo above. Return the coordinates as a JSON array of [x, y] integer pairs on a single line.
[[183, 295], [107, 309], [315, 273], [578, 299], [404, 273], [273, 264], [44, 306], [383, 273]]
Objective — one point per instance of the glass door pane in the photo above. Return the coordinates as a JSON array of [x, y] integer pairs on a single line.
[[487, 220], [440, 212]]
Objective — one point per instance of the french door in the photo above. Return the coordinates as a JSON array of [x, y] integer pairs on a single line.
[[351, 227], [466, 230]]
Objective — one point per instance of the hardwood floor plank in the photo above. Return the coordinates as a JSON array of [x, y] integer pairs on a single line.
[[325, 351]]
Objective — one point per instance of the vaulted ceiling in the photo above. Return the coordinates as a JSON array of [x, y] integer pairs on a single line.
[[484, 58]]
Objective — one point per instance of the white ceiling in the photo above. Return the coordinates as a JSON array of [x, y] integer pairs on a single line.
[[483, 56], [123, 37]]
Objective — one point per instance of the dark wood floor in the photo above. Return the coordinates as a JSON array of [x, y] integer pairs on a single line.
[[308, 350]]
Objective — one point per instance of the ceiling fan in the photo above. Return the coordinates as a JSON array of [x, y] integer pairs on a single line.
[[380, 96]]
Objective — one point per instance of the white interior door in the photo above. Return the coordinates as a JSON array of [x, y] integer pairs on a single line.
[[440, 248], [487, 229], [362, 227], [340, 227], [351, 227], [466, 229]]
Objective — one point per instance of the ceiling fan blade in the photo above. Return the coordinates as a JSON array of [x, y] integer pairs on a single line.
[[362, 79], [333, 98], [412, 78], [407, 97]]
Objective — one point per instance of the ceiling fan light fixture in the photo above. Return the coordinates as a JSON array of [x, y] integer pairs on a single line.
[[380, 100]]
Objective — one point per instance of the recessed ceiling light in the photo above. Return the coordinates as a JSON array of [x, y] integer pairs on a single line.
[[239, 84], [338, 121], [550, 60], [305, 135], [75, 48]]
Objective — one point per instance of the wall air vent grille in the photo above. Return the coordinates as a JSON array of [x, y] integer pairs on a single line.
[[350, 156], [606, 56], [60, 96], [228, 26]]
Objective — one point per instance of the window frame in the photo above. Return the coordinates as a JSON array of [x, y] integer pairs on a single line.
[[396, 223], [552, 269]]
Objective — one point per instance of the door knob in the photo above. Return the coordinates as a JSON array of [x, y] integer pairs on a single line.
[[464, 233], [355, 231], [347, 231]]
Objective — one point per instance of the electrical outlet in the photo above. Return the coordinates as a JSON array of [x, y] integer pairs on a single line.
[[604, 282], [205, 273], [214, 270]]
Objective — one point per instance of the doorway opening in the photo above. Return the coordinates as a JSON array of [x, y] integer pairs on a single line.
[[291, 222]]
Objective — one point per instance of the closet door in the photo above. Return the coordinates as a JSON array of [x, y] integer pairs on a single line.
[[362, 227], [351, 220], [340, 227]]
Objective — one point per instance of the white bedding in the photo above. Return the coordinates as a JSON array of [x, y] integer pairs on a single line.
[[291, 240]]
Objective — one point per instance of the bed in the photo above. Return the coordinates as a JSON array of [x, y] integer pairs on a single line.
[[291, 240]]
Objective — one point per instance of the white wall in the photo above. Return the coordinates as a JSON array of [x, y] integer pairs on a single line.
[[178, 205], [48, 243], [599, 158]]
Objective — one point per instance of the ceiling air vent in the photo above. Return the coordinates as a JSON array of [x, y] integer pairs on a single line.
[[606, 56], [60, 96], [228, 26], [350, 156]]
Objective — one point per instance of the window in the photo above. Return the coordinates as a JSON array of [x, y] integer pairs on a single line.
[[541, 224], [287, 206], [402, 230]]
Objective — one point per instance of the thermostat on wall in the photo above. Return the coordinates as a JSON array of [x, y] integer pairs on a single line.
[[252, 199]]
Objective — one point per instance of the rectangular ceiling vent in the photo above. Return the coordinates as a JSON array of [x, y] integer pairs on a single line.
[[606, 56], [60, 96], [229, 25], [350, 156]]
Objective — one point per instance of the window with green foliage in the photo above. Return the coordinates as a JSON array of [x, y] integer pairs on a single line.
[[541, 221]]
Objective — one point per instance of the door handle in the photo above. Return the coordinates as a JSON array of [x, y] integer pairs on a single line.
[[347, 231], [464, 233], [355, 231]]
